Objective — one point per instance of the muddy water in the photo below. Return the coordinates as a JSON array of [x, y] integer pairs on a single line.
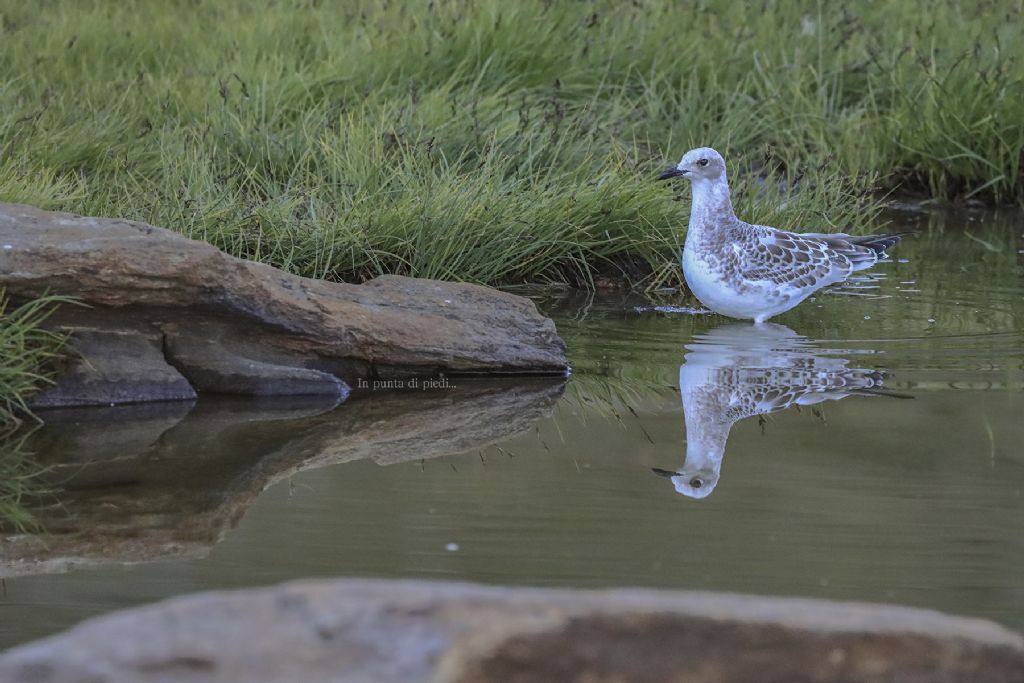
[[869, 445]]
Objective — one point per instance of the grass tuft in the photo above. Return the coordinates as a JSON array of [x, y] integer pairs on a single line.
[[29, 356], [21, 489]]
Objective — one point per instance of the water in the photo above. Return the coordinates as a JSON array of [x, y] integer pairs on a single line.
[[854, 491]]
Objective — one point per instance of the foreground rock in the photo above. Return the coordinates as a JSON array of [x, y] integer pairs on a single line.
[[133, 489], [361, 631], [198, 319]]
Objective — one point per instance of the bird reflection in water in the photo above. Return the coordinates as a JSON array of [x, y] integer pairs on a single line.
[[741, 370]]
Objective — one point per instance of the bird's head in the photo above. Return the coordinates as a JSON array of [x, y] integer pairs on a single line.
[[701, 163], [696, 483]]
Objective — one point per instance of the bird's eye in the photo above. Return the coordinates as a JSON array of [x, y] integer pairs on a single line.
[[696, 483], [702, 162]]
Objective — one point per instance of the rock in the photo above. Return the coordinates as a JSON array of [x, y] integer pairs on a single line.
[[133, 489], [115, 366], [212, 366], [412, 631], [147, 280]]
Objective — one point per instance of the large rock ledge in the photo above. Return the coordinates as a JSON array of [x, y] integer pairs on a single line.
[[168, 316], [349, 631]]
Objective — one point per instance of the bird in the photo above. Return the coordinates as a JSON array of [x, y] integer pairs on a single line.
[[756, 272], [738, 370]]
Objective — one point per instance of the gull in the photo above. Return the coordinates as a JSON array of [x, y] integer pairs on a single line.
[[738, 370], [755, 272]]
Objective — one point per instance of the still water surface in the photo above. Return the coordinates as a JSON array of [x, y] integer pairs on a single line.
[[867, 446]]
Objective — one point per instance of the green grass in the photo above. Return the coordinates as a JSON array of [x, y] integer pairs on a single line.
[[493, 141], [29, 356], [21, 489]]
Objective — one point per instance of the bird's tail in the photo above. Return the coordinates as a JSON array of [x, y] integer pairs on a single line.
[[871, 384], [877, 243]]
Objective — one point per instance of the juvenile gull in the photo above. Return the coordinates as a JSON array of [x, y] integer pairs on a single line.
[[755, 271]]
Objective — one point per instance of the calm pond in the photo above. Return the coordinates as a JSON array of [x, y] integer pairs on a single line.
[[895, 474]]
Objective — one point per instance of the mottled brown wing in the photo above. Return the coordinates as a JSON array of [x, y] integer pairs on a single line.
[[794, 263]]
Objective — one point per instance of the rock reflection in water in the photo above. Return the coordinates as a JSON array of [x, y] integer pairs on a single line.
[[167, 480], [740, 370]]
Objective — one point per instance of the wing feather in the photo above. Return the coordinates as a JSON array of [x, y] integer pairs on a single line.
[[791, 261]]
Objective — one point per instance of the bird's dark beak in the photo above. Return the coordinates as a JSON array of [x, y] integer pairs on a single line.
[[670, 173], [664, 473]]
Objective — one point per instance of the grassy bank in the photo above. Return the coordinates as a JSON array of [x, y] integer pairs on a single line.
[[495, 141]]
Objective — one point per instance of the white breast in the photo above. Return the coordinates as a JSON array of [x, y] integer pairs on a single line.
[[715, 292]]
